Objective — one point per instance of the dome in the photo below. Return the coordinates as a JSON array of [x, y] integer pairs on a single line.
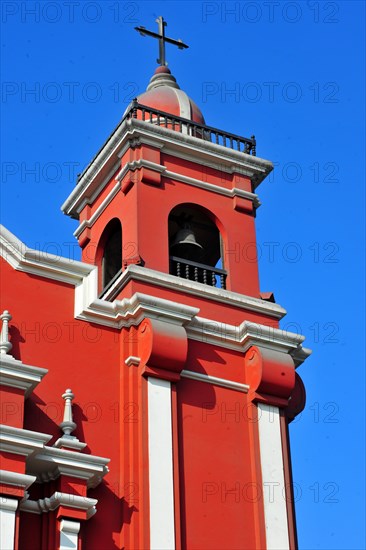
[[164, 94]]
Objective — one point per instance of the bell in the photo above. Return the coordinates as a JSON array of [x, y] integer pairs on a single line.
[[185, 245]]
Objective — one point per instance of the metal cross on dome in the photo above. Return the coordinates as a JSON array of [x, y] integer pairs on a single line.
[[162, 39]]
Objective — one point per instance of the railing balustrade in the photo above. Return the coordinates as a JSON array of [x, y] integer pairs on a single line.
[[201, 273], [188, 127]]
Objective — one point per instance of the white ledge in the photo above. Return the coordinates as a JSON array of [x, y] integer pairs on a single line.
[[16, 479], [44, 505], [131, 311], [51, 462], [165, 280], [22, 442], [15, 374], [215, 381]]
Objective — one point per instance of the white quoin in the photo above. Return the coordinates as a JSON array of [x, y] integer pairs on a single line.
[[68, 425], [5, 345]]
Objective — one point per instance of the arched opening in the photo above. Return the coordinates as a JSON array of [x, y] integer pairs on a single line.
[[110, 246], [195, 247]]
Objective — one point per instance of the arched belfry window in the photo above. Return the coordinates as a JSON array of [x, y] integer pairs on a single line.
[[111, 250], [195, 247]]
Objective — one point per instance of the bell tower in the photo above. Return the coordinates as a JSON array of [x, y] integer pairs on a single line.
[[207, 382]]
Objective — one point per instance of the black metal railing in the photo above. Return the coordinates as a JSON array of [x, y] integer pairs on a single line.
[[201, 273], [186, 126]]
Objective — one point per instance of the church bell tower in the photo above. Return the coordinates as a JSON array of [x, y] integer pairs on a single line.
[[195, 380], [167, 213]]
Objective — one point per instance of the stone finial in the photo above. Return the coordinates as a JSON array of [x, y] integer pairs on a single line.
[[68, 425], [5, 345]]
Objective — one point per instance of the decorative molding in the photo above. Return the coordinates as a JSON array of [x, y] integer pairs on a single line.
[[21, 442], [15, 374], [103, 205], [215, 381], [16, 479], [198, 150], [213, 188], [186, 286], [10, 505], [45, 505], [136, 165], [51, 462], [131, 311], [35, 262], [132, 360], [141, 163], [98, 187]]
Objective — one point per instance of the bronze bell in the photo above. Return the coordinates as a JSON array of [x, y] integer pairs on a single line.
[[185, 245]]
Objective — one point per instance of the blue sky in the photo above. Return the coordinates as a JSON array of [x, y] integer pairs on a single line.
[[292, 74]]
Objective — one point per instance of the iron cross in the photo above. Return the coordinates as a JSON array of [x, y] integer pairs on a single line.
[[162, 39]]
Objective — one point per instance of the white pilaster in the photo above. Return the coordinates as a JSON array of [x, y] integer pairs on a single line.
[[275, 511], [8, 508], [162, 532], [69, 531]]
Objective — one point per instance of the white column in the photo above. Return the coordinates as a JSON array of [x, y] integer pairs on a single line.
[[69, 531], [8, 508], [162, 533], [275, 510]]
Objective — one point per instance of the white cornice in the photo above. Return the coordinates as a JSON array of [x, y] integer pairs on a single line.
[[130, 311], [198, 150], [15, 478], [44, 505], [22, 442], [16, 374], [242, 337], [103, 205], [51, 462], [165, 280], [46, 463], [35, 262]]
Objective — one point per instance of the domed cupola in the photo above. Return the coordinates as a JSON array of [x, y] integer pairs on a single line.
[[164, 94]]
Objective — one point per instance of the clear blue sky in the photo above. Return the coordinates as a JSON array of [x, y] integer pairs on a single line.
[[292, 74]]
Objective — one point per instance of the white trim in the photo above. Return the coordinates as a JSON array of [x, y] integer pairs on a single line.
[[21, 442], [15, 374], [45, 505], [48, 463], [199, 151], [132, 360], [161, 484], [51, 462], [184, 103], [98, 187], [130, 311], [215, 381], [103, 205], [165, 280], [8, 508], [142, 163], [213, 188], [16, 479], [136, 165], [69, 534], [274, 498], [35, 262]]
